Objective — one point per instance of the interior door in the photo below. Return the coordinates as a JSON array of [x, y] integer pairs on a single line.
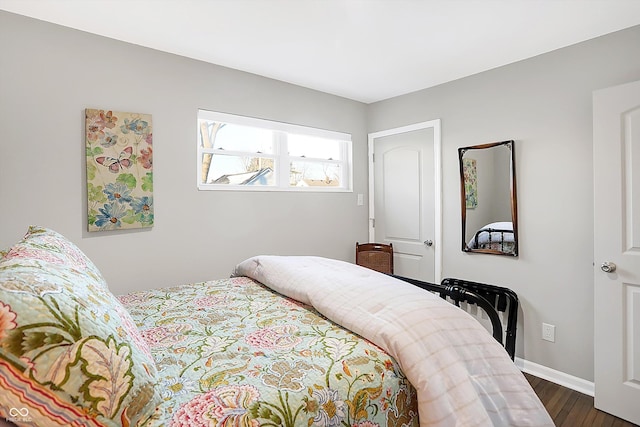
[[405, 197], [616, 140]]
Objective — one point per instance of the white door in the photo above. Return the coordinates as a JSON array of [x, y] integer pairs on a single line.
[[404, 197], [616, 166]]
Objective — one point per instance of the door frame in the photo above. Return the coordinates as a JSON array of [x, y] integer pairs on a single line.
[[437, 171]]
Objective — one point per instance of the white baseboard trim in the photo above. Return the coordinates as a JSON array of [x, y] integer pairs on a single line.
[[565, 380]]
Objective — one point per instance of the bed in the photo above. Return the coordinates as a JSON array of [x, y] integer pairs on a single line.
[[285, 341], [496, 236]]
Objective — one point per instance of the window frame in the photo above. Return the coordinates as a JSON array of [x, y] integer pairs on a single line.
[[282, 159]]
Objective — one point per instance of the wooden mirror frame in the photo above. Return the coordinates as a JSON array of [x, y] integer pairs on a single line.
[[514, 204]]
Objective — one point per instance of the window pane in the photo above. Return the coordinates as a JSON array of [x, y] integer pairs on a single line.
[[230, 137], [313, 147], [314, 174], [238, 170], [237, 152]]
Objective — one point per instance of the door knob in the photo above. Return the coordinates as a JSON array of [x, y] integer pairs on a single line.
[[428, 243], [608, 267]]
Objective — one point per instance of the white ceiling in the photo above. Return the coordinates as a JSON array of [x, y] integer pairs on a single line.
[[366, 50]]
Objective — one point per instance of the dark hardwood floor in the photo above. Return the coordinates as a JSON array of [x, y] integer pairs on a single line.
[[569, 408]]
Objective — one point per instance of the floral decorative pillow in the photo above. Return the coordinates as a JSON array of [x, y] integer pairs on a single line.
[[42, 244], [70, 353]]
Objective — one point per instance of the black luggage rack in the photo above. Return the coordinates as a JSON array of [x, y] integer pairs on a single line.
[[490, 298]]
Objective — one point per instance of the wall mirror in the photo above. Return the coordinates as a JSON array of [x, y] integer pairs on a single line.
[[488, 198]]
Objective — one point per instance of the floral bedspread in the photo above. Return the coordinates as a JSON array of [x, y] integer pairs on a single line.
[[234, 353]]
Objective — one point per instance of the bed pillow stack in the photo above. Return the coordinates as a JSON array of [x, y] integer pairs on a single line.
[[70, 353]]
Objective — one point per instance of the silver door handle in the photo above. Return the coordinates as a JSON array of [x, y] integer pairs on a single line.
[[608, 267], [428, 243]]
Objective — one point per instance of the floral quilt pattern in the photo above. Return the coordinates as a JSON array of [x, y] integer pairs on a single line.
[[235, 353]]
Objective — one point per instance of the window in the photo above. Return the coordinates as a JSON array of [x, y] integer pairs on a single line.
[[243, 153]]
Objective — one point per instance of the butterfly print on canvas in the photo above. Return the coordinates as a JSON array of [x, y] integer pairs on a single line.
[[114, 165]]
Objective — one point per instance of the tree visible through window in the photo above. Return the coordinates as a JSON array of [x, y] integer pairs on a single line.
[[236, 152]]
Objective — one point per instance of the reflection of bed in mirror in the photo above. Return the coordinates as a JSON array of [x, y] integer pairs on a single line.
[[497, 236]]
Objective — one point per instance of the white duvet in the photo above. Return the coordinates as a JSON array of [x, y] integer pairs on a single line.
[[463, 377]]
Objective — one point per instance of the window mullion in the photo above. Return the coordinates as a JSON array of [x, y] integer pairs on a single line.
[[282, 167], [315, 160], [218, 152]]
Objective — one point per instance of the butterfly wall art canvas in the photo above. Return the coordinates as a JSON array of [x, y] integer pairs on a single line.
[[119, 149]]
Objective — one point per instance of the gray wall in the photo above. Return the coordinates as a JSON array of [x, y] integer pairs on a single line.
[[544, 104], [48, 76]]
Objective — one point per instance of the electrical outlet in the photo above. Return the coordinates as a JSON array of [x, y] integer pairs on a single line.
[[548, 332]]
